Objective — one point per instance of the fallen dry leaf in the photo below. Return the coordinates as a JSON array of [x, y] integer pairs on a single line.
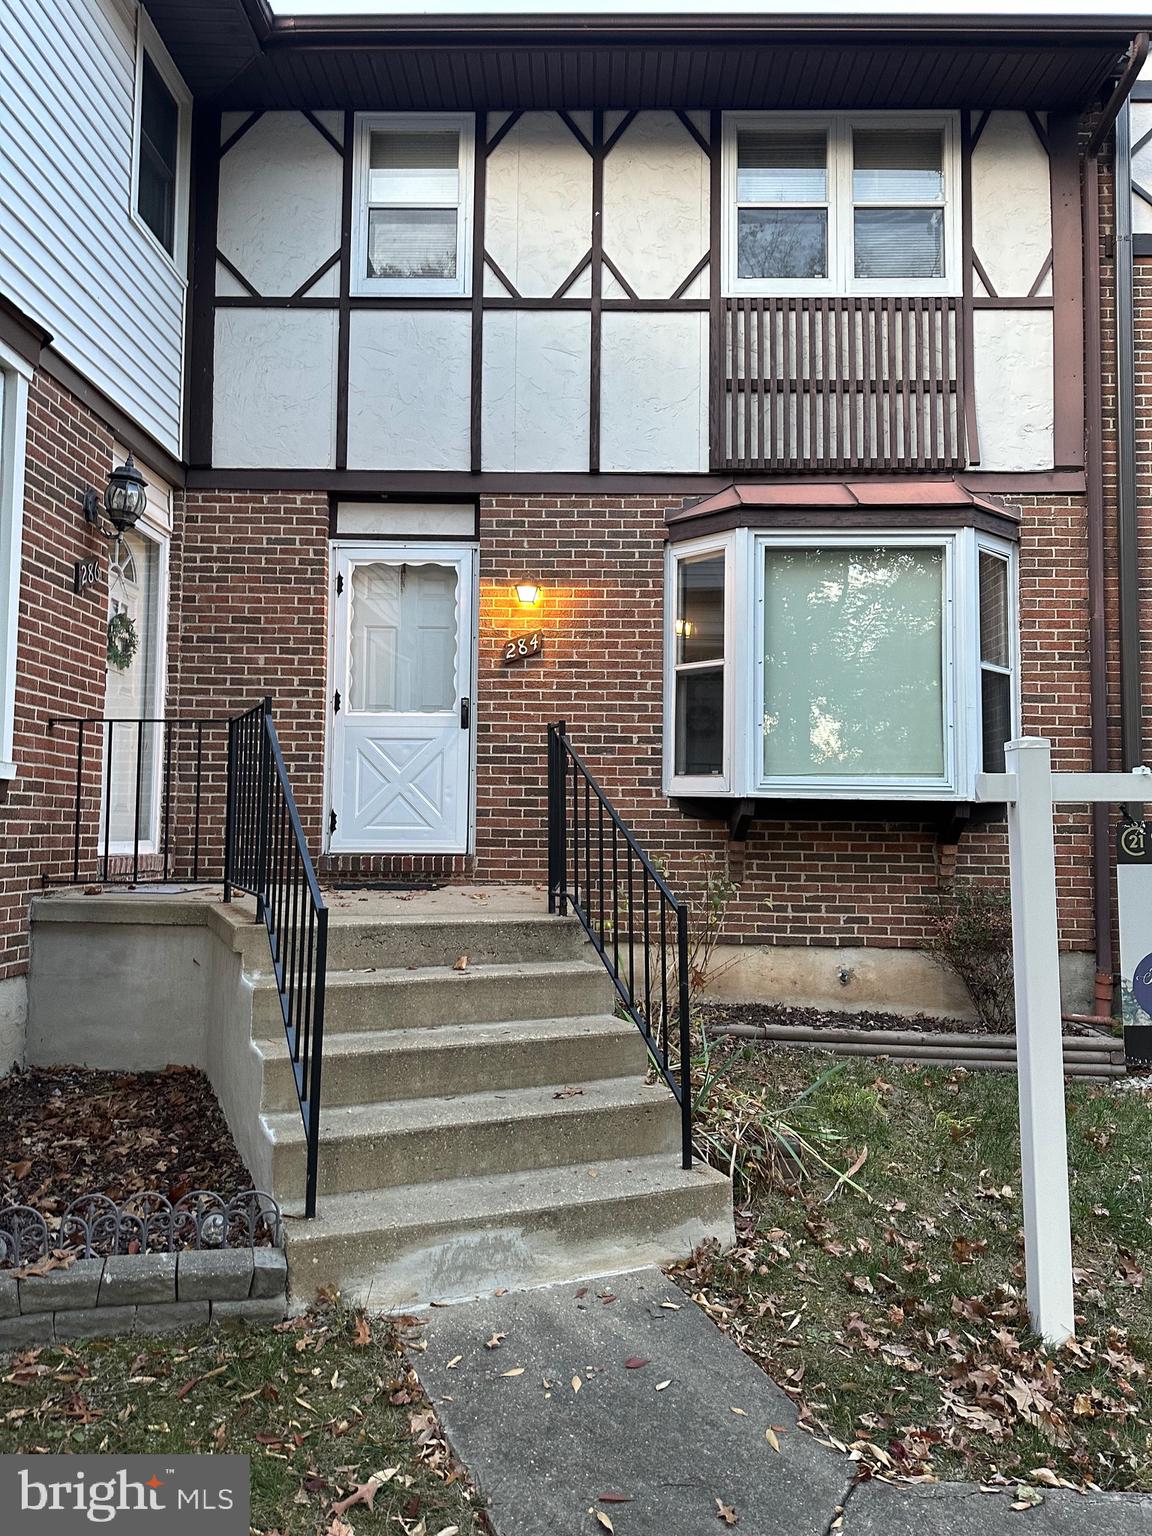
[[460, 963], [726, 1513], [635, 1363], [603, 1519], [495, 1341], [772, 1438], [576, 1383], [660, 1385], [363, 1493], [516, 1371], [454, 1362]]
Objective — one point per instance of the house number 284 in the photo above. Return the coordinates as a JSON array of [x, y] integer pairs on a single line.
[[519, 647]]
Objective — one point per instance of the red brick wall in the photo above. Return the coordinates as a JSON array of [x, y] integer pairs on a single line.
[[61, 651]]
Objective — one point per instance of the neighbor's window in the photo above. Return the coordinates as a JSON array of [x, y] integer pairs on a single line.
[[160, 194], [414, 208], [838, 665], [839, 204]]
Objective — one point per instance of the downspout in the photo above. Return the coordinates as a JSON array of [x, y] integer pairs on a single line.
[[1127, 552], [1094, 475]]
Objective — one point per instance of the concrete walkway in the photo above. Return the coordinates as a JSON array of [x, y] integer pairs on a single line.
[[543, 1451]]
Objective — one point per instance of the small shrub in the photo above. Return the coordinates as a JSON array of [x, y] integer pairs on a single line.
[[971, 936]]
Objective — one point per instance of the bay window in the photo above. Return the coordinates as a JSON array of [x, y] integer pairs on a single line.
[[412, 217], [832, 664], [840, 203]]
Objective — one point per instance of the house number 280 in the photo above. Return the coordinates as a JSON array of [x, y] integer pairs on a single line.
[[519, 647]]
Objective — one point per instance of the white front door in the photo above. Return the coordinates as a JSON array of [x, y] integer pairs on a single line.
[[402, 668]]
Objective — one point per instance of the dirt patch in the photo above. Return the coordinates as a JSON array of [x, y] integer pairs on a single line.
[[65, 1131], [773, 1015]]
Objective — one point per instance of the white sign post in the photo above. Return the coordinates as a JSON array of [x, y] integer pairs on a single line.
[[1039, 1047], [1029, 788]]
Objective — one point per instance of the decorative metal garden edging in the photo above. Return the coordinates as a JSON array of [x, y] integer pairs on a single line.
[[94, 1226]]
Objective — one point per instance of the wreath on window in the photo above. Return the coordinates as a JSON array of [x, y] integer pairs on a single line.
[[123, 641]]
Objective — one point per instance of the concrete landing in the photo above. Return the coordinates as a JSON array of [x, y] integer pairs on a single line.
[[542, 1453]]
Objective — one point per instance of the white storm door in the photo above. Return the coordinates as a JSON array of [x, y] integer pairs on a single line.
[[401, 768]]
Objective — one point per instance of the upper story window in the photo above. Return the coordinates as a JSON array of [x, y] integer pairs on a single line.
[[840, 204], [160, 194], [413, 217], [839, 665]]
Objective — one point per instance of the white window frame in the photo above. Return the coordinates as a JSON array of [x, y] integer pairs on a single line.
[[15, 376], [459, 286], [987, 545], [841, 204], [743, 774], [148, 42]]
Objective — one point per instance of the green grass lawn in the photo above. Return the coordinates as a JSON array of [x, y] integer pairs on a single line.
[[892, 1307], [319, 1407]]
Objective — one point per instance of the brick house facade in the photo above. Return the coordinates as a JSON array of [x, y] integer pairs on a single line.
[[258, 482]]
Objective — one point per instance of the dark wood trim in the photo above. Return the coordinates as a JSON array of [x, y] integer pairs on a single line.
[[620, 278], [982, 274], [323, 132], [619, 131], [476, 300], [142, 444], [978, 132], [578, 133], [235, 272], [819, 518], [344, 322], [1017, 301], [234, 138], [1040, 131], [715, 313], [1067, 292], [575, 273], [968, 142], [199, 375], [700, 266], [302, 291], [695, 132], [500, 275], [1142, 192], [1038, 283], [597, 306], [501, 133], [461, 485], [26, 337], [489, 301]]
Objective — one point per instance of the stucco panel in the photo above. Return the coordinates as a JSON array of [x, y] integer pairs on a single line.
[[654, 393], [536, 380], [1141, 166], [1011, 203], [1014, 388], [656, 204], [274, 399], [408, 389], [280, 202], [538, 203]]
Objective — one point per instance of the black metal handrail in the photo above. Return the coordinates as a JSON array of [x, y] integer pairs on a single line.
[[598, 870], [147, 801], [266, 855]]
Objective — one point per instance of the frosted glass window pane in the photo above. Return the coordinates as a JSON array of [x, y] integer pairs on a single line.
[[782, 242], [781, 166], [899, 242], [994, 646], [402, 652], [897, 165], [853, 663], [414, 167], [700, 609], [412, 242], [700, 721]]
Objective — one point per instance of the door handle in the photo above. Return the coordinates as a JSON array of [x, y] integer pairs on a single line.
[[465, 713]]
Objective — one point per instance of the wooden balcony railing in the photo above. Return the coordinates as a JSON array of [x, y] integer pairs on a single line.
[[839, 383]]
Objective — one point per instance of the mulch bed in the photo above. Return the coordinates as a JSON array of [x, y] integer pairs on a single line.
[[66, 1131], [772, 1015]]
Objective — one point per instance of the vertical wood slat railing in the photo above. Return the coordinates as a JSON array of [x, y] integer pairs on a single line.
[[840, 383]]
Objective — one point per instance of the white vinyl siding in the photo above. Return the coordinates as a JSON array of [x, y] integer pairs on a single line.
[[72, 254]]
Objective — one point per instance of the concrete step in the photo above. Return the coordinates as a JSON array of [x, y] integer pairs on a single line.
[[473, 1135], [456, 1238], [399, 941], [371, 1066], [433, 996]]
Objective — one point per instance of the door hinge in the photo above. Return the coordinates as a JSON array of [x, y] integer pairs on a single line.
[[331, 821], [339, 583], [336, 702]]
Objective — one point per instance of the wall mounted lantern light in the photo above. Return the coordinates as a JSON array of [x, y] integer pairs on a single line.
[[527, 592], [125, 497]]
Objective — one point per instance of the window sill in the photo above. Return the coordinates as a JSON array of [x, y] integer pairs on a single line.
[[8, 770]]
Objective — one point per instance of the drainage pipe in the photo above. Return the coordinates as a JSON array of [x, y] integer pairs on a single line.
[[1127, 552]]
